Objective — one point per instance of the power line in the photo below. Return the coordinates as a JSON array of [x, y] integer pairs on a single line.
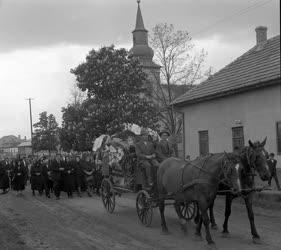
[[235, 14]]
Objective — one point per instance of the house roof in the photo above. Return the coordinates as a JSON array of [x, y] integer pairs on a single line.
[[9, 141], [25, 144], [258, 67]]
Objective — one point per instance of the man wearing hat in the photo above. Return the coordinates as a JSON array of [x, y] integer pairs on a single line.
[[271, 162], [146, 155], [164, 149]]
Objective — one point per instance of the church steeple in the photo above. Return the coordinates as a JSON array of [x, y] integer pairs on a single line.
[[139, 20], [140, 40], [143, 52]]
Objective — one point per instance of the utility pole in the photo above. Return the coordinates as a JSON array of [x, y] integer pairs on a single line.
[[31, 126]]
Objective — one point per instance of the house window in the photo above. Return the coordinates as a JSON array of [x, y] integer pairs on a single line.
[[278, 128], [203, 142], [237, 137]]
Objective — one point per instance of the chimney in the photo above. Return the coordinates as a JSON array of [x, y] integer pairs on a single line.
[[261, 33], [19, 137], [25, 138]]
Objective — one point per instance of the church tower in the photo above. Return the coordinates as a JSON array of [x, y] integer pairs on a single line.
[[142, 50]]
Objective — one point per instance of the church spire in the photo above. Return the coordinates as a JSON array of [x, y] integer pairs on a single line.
[[141, 49], [139, 20]]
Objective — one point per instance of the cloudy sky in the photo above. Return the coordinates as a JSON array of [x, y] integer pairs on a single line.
[[41, 40]]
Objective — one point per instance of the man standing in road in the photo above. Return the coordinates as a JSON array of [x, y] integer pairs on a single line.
[[57, 175], [271, 162]]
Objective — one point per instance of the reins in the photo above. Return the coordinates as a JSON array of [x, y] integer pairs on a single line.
[[201, 169]]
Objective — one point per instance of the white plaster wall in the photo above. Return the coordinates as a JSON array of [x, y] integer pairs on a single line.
[[258, 110]]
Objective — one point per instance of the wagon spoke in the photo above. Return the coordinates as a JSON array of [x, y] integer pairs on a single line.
[[185, 211], [141, 215]]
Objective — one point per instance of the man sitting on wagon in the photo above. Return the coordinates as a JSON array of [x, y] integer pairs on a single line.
[[146, 155], [164, 148]]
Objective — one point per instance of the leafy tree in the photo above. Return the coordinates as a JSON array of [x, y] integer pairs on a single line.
[[46, 133], [115, 85], [73, 134], [116, 94]]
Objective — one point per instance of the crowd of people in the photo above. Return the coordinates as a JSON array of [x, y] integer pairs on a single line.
[[78, 174], [54, 174], [84, 173]]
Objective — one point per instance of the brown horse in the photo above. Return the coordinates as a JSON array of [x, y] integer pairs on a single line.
[[198, 181], [252, 158]]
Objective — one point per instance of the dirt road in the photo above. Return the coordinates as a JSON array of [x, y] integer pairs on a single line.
[[82, 223]]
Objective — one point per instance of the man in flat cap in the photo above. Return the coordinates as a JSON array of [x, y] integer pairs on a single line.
[[164, 148], [271, 162], [146, 155]]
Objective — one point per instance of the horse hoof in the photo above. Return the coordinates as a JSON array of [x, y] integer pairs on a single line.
[[257, 241], [214, 227], [225, 234], [197, 237], [212, 246], [165, 232]]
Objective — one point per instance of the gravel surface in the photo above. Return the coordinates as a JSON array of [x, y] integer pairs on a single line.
[[82, 223]]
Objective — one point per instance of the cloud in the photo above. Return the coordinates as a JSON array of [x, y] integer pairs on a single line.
[[220, 52], [41, 41], [41, 74], [31, 23]]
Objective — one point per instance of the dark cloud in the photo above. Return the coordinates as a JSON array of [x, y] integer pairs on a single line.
[[30, 23]]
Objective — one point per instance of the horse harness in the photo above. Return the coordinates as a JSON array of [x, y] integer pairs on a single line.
[[202, 169]]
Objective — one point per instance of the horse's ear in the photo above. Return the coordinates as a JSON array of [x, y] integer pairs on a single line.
[[251, 144], [264, 142]]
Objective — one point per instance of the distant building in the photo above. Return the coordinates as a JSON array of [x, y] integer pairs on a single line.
[[242, 101], [25, 149], [8, 146]]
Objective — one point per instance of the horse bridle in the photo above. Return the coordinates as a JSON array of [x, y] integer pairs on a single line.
[[251, 163]]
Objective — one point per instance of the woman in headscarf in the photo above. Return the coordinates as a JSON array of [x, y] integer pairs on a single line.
[[19, 177]]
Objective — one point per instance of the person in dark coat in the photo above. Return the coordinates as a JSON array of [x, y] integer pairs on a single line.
[[69, 176], [97, 175], [164, 148], [146, 155], [88, 171], [19, 177], [47, 179], [36, 177], [24, 163], [271, 162], [5, 169], [79, 177], [57, 175]]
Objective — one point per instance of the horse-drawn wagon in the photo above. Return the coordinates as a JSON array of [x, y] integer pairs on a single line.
[[122, 174]]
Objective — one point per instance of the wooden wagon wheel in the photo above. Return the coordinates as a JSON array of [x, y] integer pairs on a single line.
[[108, 195], [188, 210], [144, 208]]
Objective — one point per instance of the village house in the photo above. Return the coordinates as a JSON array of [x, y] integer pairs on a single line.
[[242, 101], [9, 146], [25, 149]]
